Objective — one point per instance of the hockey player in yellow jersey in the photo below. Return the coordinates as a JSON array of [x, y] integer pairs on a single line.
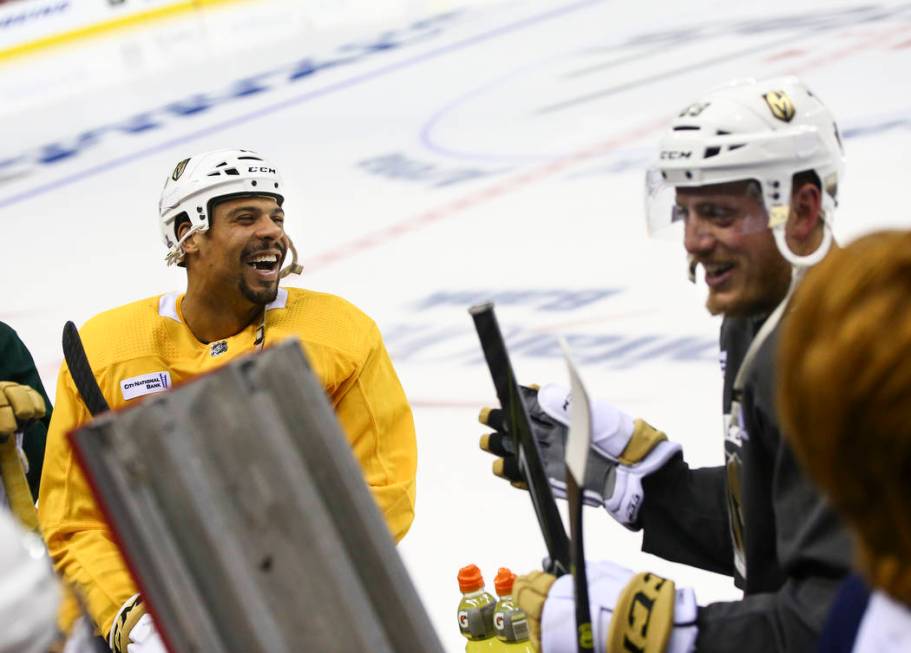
[[222, 219]]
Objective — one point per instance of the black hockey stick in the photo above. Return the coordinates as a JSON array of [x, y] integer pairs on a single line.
[[81, 371], [519, 426], [577, 444]]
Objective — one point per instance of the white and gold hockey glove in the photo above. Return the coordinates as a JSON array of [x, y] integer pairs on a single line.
[[134, 631], [625, 450], [630, 612]]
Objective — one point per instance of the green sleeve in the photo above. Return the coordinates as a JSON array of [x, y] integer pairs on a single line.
[[16, 365]]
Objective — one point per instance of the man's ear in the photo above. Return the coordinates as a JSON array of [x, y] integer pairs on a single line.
[[189, 245], [806, 213]]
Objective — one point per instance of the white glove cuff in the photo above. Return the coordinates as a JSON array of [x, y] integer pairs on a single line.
[[558, 620], [606, 581], [626, 499]]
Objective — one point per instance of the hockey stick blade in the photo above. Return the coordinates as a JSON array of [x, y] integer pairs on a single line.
[[510, 397], [81, 371], [577, 444]]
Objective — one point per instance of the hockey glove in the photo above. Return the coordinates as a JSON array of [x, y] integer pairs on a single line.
[[134, 631], [625, 450], [631, 612], [19, 404]]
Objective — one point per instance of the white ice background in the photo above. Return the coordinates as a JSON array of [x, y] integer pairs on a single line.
[[449, 154]]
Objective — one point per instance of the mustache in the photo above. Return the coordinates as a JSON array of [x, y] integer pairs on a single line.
[[265, 246]]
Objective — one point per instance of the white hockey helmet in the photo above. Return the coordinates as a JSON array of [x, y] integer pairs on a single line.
[[762, 130], [196, 182], [29, 590]]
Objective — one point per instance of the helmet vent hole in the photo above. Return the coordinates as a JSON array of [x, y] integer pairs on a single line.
[[231, 171], [276, 184], [736, 147], [248, 158], [711, 151], [253, 183], [686, 128], [217, 173], [222, 164]]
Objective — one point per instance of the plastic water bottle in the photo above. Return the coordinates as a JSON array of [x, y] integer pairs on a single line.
[[476, 612], [509, 621]]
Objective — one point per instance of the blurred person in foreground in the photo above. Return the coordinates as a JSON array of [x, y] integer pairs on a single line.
[[750, 172], [222, 217], [845, 401]]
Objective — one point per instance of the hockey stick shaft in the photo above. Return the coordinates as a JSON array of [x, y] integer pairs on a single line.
[[84, 379], [519, 426], [577, 445], [81, 371]]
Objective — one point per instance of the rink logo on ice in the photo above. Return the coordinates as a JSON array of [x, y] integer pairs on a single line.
[[146, 384], [400, 166], [16, 17], [434, 335], [267, 81]]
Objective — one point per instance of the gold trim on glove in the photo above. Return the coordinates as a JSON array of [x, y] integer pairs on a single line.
[[644, 615], [128, 617], [645, 438]]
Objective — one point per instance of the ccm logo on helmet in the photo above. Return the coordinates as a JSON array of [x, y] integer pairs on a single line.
[[261, 169], [675, 154]]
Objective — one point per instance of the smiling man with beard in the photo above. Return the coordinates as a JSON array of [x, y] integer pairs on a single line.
[[750, 175], [222, 219]]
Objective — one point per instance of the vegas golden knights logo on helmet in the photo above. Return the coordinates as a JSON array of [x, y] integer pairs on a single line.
[[179, 169], [780, 105]]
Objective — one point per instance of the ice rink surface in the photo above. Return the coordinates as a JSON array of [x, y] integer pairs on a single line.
[[438, 155]]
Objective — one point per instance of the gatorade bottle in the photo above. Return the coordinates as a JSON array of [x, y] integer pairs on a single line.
[[509, 621], [476, 612]]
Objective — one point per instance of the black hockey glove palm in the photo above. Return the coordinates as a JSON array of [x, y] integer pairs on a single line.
[[550, 436]]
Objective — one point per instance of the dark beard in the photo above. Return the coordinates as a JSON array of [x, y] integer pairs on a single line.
[[264, 296], [261, 297]]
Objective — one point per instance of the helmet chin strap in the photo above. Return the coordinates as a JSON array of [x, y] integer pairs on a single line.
[[808, 260], [691, 265], [175, 254], [293, 267], [778, 219]]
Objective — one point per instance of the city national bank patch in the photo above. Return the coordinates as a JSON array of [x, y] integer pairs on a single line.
[[146, 384]]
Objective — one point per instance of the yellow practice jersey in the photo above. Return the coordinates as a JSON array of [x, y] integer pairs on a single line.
[[146, 347]]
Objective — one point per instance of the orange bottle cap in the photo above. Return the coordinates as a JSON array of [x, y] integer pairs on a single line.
[[503, 582], [470, 579]]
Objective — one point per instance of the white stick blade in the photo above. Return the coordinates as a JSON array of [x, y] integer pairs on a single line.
[[580, 421]]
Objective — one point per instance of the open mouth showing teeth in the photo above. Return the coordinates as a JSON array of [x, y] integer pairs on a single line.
[[716, 270], [263, 262]]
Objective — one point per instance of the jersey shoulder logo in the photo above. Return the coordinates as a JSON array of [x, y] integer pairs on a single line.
[[780, 105], [218, 348], [179, 168], [145, 384]]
